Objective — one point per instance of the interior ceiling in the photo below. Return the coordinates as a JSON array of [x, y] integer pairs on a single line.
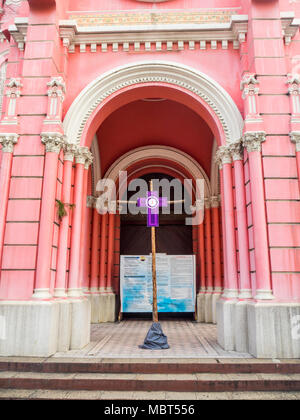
[[154, 122]]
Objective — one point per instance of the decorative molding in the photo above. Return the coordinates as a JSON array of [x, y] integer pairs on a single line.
[[14, 88], [141, 36], [83, 156], [170, 73], [295, 138], [252, 140], [7, 141], [223, 156], [56, 87], [18, 31], [290, 26], [237, 151], [53, 142]]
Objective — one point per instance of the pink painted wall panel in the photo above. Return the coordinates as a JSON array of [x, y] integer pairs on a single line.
[[275, 125], [35, 86], [280, 167], [31, 125], [283, 211], [275, 104], [27, 210], [284, 235], [284, 189], [272, 84], [44, 67], [21, 233], [285, 259], [19, 257], [26, 188], [28, 166], [42, 32], [33, 105], [16, 285], [278, 145], [287, 286], [29, 145], [39, 49]]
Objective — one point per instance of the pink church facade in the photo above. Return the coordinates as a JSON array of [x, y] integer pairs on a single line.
[[80, 83]]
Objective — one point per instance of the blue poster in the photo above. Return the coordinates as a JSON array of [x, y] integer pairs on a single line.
[[175, 283]]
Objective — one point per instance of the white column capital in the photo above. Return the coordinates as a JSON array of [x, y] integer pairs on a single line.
[[237, 151], [53, 142], [252, 140], [14, 87], [215, 201], [7, 141], [249, 85], [295, 138], [83, 156], [223, 156], [91, 201], [70, 150]]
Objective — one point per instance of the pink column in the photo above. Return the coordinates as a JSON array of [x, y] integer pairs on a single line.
[[85, 243], [74, 287], [53, 144], [231, 284], [110, 252], [252, 141], [7, 141], [201, 256], [60, 284], [216, 245], [242, 225], [103, 249], [208, 248], [95, 265]]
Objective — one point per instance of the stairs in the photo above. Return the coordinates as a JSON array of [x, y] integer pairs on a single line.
[[22, 377]]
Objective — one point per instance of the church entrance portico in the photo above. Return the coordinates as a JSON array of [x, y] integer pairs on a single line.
[[146, 119]]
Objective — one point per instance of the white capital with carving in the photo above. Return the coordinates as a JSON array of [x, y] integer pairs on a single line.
[[214, 202], [252, 140], [8, 141], [91, 201], [70, 150], [250, 91], [293, 80], [295, 138], [53, 142], [237, 151], [223, 156]]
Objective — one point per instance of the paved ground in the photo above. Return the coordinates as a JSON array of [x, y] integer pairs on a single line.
[[186, 339]]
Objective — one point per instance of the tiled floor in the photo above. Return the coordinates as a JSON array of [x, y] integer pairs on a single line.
[[121, 340]]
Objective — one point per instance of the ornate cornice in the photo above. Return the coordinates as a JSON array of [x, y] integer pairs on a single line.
[[252, 140], [290, 26], [7, 141], [237, 151], [53, 142], [295, 138], [18, 30], [223, 156], [151, 33]]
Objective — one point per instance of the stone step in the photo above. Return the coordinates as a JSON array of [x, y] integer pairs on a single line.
[[150, 366], [194, 382], [42, 394]]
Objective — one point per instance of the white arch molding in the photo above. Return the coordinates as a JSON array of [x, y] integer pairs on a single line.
[[171, 154], [175, 74]]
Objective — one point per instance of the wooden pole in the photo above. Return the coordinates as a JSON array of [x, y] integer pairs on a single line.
[[154, 283]]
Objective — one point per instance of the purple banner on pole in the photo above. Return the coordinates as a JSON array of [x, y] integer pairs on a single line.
[[153, 203]]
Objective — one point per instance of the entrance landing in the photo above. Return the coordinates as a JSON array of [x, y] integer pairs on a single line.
[[186, 339]]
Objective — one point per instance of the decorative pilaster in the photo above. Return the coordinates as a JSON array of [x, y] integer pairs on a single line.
[[223, 158], [252, 142], [237, 153], [250, 89], [53, 143], [295, 138], [7, 141], [13, 92], [95, 258], [293, 82]]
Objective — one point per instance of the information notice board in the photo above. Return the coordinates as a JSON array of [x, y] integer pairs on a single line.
[[176, 290]]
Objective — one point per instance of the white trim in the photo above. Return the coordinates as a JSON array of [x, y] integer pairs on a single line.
[[233, 31], [175, 74]]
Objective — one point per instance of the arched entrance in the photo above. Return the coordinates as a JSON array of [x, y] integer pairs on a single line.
[[174, 90]]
